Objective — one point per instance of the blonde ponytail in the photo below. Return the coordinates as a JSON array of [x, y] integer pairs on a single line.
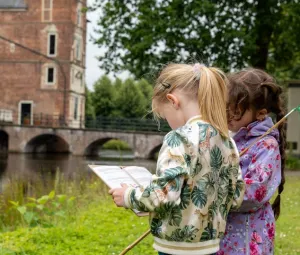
[[212, 96]]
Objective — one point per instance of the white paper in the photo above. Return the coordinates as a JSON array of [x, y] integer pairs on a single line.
[[113, 176]]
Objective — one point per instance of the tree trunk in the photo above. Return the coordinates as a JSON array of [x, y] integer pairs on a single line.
[[264, 26]]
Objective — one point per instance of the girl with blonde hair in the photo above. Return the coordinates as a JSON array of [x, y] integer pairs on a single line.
[[198, 179]]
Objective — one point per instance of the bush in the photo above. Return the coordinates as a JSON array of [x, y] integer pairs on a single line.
[[115, 144], [292, 163]]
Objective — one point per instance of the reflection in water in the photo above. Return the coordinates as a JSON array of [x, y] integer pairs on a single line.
[[37, 169]]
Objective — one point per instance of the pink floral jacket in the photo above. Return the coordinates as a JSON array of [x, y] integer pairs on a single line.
[[251, 230]]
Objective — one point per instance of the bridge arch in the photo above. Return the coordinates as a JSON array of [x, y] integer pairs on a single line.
[[4, 139], [93, 148], [153, 151], [47, 143]]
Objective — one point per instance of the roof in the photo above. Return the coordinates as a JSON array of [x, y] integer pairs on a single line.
[[12, 4]]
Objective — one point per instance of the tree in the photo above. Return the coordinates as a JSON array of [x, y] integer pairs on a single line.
[[89, 108], [141, 34], [103, 97], [147, 91], [130, 101]]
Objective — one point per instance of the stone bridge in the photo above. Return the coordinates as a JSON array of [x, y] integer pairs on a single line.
[[30, 139]]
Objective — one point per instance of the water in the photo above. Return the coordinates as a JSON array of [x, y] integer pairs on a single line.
[[42, 168]]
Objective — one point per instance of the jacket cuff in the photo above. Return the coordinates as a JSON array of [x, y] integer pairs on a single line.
[[127, 203]]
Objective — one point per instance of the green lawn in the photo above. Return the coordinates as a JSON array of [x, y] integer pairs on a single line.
[[97, 226]]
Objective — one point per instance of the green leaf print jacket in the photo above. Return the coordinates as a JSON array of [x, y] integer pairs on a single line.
[[197, 182]]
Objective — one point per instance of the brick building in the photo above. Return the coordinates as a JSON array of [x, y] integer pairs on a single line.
[[42, 61]]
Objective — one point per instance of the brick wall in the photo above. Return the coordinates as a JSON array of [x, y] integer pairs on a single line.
[[23, 73]]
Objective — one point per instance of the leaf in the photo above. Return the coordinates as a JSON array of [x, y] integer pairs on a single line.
[[40, 207], [185, 196], [51, 194], [61, 198], [156, 225], [32, 205], [199, 198], [216, 158], [197, 169], [206, 130], [185, 234], [29, 216], [43, 200], [228, 143], [223, 211], [31, 199], [213, 209], [173, 139], [187, 159], [208, 182], [22, 209], [14, 203], [175, 217], [238, 188], [171, 212]]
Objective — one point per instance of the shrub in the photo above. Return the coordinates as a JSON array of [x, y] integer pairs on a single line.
[[115, 144]]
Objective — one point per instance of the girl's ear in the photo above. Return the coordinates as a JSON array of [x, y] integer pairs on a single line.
[[261, 114], [173, 100]]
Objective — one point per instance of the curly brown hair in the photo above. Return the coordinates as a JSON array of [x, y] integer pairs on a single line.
[[255, 89]]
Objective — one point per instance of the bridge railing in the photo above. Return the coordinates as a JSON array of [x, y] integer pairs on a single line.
[[99, 122], [132, 124]]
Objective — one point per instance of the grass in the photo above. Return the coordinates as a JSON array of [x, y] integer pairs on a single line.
[[97, 226]]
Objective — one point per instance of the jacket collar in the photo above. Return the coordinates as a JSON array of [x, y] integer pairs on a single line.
[[256, 129]]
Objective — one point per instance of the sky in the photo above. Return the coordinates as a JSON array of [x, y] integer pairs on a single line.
[[93, 72]]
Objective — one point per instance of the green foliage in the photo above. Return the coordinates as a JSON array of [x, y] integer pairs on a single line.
[[115, 144], [44, 210], [292, 163], [99, 227], [103, 97], [130, 101], [230, 34], [89, 107]]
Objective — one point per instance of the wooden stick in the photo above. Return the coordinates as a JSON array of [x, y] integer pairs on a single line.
[[128, 248]]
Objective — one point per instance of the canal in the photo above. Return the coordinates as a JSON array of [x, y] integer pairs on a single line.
[[36, 169]]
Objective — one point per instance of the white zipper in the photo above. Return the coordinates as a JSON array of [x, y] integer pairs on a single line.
[[247, 235]]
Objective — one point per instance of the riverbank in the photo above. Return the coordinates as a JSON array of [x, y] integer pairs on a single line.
[[94, 225]]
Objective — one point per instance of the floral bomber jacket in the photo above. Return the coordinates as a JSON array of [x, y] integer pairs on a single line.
[[251, 230], [197, 181]]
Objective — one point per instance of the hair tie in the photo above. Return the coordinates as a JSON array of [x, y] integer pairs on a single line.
[[196, 69]]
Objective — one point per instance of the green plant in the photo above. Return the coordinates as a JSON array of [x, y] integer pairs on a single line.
[[115, 144], [41, 211], [292, 163]]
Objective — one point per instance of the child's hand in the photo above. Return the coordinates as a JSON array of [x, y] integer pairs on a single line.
[[118, 195]]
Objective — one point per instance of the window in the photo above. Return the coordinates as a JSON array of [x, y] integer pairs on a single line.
[[292, 145], [50, 75], [52, 45], [75, 108], [47, 10], [78, 49]]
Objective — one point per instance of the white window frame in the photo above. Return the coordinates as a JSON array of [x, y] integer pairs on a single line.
[[78, 55], [55, 46], [46, 75], [20, 109], [47, 9]]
